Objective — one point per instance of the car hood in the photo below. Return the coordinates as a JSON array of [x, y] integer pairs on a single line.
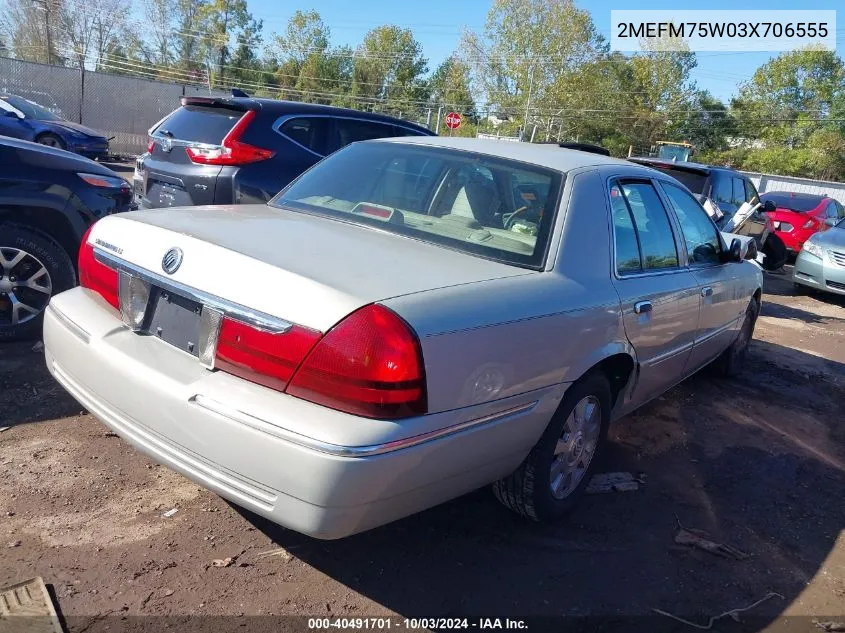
[[834, 237], [60, 126], [306, 268]]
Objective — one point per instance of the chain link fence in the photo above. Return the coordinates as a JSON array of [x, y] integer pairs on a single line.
[[118, 106]]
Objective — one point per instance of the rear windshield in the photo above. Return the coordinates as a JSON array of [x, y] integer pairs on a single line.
[[199, 124], [691, 180], [785, 200], [486, 206]]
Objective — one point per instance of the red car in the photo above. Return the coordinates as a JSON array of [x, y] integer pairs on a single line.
[[799, 215]]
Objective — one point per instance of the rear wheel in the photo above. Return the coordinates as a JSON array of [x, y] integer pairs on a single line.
[[32, 269], [732, 360], [557, 470], [51, 140]]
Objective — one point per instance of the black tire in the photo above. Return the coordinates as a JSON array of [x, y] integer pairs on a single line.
[[775, 251], [51, 140], [39, 249], [527, 491], [731, 362]]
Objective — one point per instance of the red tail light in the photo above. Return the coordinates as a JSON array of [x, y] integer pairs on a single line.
[[370, 364], [151, 146], [232, 150], [97, 276], [263, 357]]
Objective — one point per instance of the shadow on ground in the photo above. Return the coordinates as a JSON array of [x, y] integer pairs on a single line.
[[28, 392], [753, 463]]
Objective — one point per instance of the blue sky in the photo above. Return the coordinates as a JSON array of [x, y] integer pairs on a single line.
[[437, 26]]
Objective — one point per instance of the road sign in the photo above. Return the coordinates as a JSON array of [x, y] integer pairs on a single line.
[[453, 120]]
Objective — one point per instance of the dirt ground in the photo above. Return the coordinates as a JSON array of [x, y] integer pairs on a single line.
[[758, 463]]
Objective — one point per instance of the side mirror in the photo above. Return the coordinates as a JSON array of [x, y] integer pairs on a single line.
[[736, 250], [831, 222], [768, 206]]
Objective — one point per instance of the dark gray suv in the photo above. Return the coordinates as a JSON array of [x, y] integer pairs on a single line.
[[727, 189], [235, 150]]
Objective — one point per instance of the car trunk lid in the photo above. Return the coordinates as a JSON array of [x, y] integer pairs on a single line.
[[309, 270]]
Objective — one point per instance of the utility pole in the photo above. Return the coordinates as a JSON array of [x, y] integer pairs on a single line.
[[439, 116], [224, 40], [528, 101]]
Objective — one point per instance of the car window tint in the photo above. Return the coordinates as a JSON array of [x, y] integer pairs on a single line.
[[751, 193], [309, 132], [722, 189], [199, 124], [700, 234], [624, 235], [831, 210], [398, 130], [657, 244], [694, 181], [351, 130], [738, 191]]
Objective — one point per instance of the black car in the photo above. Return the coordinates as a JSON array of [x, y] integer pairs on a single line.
[[48, 199], [727, 190], [235, 150]]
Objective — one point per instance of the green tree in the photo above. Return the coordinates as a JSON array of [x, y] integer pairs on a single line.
[[388, 69], [792, 96], [537, 49], [450, 86], [226, 21], [190, 21]]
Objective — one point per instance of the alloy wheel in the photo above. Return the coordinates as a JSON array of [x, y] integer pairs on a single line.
[[576, 446], [25, 286]]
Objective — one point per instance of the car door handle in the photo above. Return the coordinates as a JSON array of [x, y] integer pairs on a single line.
[[642, 307], [707, 292]]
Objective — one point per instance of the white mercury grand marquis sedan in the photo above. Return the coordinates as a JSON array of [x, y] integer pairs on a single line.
[[409, 320]]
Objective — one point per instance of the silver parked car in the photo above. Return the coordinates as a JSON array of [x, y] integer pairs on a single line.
[[821, 262], [409, 320]]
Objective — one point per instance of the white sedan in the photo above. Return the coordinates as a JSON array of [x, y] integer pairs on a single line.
[[409, 320]]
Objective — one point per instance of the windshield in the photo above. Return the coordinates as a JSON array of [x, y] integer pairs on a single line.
[[31, 110], [673, 152], [794, 202], [486, 206]]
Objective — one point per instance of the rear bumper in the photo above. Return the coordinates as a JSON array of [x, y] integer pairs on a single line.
[[246, 442], [812, 272]]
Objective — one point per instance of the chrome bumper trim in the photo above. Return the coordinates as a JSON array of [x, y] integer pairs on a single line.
[[76, 329], [337, 450], [260, 320]]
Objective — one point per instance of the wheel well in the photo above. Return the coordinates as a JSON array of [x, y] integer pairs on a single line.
[[617, 369], [51, 223]]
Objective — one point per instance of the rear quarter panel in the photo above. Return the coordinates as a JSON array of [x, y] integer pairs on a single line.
[[499, 338]]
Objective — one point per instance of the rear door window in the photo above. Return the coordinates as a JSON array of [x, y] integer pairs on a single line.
[[738, 192], [751, 193], [199, 124], [351, 130], [722, 189], [654, 235], [310, 132]]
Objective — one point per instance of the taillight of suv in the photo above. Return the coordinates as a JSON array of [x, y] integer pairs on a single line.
[[232, 151]]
